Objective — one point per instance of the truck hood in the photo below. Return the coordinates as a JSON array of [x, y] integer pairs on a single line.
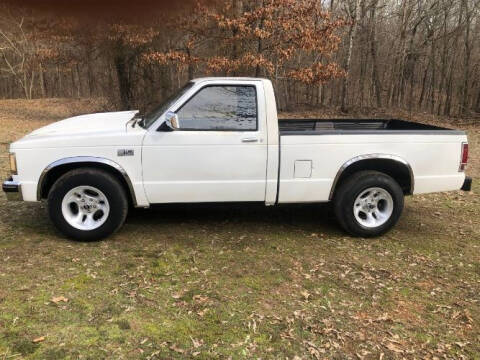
[[87, 124]]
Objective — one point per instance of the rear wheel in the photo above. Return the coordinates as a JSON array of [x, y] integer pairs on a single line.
[[368, 204], [87, 204]]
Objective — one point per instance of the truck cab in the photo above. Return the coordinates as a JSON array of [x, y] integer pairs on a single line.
[[224, 147]]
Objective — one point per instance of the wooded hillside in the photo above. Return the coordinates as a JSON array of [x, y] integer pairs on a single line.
[[410, 54]]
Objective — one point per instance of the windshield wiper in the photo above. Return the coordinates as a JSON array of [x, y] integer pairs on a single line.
[[141, 122]]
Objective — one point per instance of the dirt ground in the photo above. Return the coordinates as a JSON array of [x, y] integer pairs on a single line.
[[240, 281]]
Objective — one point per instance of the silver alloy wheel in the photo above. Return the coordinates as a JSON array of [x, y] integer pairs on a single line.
[[373, 207], [85, 208]]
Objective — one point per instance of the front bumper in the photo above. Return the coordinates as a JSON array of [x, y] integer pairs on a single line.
[[12, 189], [467, 184]]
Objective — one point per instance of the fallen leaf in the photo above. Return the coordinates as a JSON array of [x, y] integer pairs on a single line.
[[200, 298], [196, 343], [39, 339], [384, 317], [394, 348], [201, 313], [57, 299], [305, 294], [176, 349], [468, 317]]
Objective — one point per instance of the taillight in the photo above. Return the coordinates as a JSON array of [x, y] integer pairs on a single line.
[[464, 157]]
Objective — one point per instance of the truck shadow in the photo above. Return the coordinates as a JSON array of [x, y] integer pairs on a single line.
[[307, 217]]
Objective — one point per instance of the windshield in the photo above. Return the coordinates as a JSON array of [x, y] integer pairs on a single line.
[[160, 109]]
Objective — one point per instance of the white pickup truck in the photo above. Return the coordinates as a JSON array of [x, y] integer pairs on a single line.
[[219, 140]]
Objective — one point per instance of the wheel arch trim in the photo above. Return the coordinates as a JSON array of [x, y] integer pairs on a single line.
[[85, 159], [356, 159]]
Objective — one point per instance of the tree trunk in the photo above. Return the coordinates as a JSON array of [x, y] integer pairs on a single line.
[[449, 89], [123, 67], [363, 52], [237, 12], [466, 59], [398, 72], [348, 60], [124, 85], [59, 82], [79, 83], [191, 68], [433, 80], [424, 82], [41, 80], [477, 103], [260, 46], [373, 53], [443, 69], [90, 74]]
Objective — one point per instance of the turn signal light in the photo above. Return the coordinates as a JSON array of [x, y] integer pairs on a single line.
[[13, 164]]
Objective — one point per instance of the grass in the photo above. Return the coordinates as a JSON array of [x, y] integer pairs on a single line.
[[240, 282]]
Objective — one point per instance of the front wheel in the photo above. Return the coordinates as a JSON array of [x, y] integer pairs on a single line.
[[368, 204], [87, 204]]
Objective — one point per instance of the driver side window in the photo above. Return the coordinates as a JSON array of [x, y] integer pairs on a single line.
[[222, 108]]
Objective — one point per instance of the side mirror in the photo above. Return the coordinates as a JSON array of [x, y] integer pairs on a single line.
[[171, 122]]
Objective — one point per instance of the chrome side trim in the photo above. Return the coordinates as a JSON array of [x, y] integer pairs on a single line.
[[85, 159], [368, 157]]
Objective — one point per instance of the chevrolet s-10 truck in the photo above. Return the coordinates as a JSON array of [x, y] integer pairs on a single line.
[[219, 140]]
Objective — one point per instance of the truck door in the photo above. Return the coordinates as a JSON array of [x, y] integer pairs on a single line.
[[219, 152]]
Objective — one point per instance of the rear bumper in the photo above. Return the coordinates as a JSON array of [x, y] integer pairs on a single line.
[[12, 189], [467, 184]]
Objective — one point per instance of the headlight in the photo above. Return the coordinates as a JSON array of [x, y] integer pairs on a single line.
[[13, 164]]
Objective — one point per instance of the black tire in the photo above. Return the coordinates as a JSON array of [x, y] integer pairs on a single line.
[[104, 182], [351, 188]]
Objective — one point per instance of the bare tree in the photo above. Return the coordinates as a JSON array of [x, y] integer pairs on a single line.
[[348, 59], [18, 53], [373, 52]]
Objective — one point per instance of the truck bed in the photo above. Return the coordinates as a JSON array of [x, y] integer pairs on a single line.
[[358, 126]]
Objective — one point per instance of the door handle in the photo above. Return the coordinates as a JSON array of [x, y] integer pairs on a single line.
[[249, 140]]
